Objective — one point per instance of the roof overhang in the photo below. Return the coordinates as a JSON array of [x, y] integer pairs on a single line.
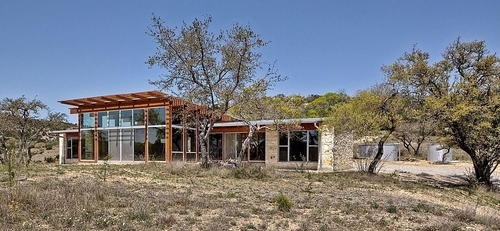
[[127, 100], [269, 122]]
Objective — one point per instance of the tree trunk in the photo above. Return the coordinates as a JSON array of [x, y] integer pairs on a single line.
[[482, 169], [380, 152], [205, 157], [246, 143], [4, 150], [29, 156]]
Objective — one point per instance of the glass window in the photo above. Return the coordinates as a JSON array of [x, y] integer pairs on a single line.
[[313, 137], [126, 118], [177, 140], [258, 146], [283, 138], [71, 148], [215, 146], [283, 155], [138, 116], [113, 118], [102, 119], [87, 139], [87, 120], [114, 144], [156, 116], [191, 145], [139, 141], [313, 154], [156, 144], [102, 144], [191, 141], [299, 146], [233, 144], [127, 145]]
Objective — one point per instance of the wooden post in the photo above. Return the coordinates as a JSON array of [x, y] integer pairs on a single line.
[[168, 132]]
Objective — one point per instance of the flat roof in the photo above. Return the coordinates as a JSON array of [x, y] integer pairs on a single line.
[[268, 122], [121, 99]]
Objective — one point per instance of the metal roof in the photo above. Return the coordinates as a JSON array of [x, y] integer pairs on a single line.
[[268, 122]]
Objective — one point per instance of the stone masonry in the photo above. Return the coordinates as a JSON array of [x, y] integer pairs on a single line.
[[336, 152]]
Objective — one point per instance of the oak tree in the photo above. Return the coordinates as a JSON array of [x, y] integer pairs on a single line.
[[208, 69], [463, 92], [26, 121]]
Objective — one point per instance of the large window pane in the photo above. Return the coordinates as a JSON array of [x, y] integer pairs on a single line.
[[87, 139], [313, 154], [215, 146], [138, 116], [283, 155], [177, 140], [87, 120], [71, 148], [313, 137], [191, 141], [230, 145], [156, 116], [114, 144], [127, 143], [139, 141], [283, 138], [102, 119], [126, 118], [102, 144], [156, 144], [258, 146], [298, 146], [114, 119]]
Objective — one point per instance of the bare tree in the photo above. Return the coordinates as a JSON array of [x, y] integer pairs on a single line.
[[208, 69]]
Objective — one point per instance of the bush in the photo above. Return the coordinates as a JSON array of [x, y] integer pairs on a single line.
[[283, 203], [50, 159]]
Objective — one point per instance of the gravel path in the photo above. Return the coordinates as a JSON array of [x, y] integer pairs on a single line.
[[455, 171]]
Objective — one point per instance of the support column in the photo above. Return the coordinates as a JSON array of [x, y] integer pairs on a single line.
[[146, 135], [168, 132], [62, 148]]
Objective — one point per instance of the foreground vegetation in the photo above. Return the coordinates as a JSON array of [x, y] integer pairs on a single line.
[[186, 197]]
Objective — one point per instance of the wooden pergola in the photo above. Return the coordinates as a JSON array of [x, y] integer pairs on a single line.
[[123, 101]]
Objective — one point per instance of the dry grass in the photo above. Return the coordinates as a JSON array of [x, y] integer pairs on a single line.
[[186, 197]]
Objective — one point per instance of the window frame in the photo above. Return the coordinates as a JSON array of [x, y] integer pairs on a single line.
[[281, 145]]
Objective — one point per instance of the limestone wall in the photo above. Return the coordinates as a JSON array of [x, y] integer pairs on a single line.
[[336, 151], [272, 146]]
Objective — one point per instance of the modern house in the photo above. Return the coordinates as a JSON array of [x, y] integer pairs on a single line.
[[153, 126]]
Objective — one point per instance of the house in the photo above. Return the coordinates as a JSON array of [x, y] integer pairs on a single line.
[[150, 126]]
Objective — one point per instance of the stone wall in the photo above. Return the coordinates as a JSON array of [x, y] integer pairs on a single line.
[[272, 145], [336, 151]]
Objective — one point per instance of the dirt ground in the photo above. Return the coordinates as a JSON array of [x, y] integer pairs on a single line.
[[454, 172]]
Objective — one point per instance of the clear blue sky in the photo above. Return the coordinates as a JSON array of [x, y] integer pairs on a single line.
[[57, 50]]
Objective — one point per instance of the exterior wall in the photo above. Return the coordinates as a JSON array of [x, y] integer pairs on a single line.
[[336, 152], [342, 158], [62, 147], [272, 145]]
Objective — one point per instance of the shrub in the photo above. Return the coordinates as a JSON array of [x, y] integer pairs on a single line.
[[50, 159], [283, 202]]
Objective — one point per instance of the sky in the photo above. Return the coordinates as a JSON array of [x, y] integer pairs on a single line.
[[58, 50]]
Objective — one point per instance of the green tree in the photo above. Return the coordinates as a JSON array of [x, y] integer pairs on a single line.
[[372, 112], [208, 69], [26, 121], [463, 93], [322, 105]]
